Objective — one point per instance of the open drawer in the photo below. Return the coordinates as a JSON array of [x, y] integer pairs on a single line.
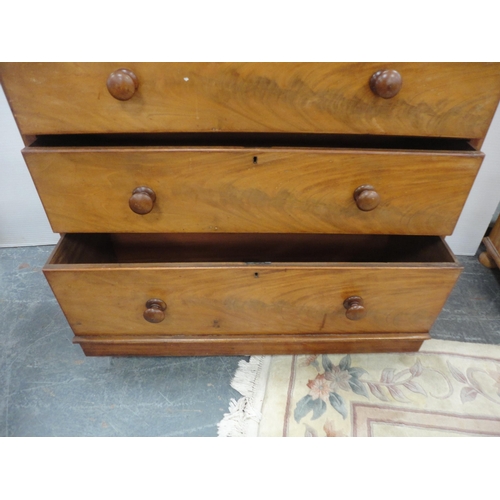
[[311, 185], [198, 294]]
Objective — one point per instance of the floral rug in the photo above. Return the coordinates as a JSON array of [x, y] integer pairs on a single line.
[[445, 389]]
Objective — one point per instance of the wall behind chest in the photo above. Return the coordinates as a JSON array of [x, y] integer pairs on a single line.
[[22, 219], [483, 199]]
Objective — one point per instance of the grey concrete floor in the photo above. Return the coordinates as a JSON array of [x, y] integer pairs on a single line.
[[49, 388]]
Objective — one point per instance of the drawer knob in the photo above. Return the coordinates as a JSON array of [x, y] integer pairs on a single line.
[[122, 84], [155, 310], [366, 198], [142, 200], [354, 308], [386, 83]]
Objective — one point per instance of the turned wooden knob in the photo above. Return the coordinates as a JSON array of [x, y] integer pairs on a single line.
[[155, 310], [386, 83], [366, 198], [142, 200], [354, 308], [122, 84]]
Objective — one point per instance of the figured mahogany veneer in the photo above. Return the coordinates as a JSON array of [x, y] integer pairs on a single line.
[[259, 190], [252, 208], [435, 99], [249, 285]]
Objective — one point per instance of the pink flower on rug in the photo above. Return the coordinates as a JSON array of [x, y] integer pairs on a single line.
[[330, 430], [339, 379], [319, 388]]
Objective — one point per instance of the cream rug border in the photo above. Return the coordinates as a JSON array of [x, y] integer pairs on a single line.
[[244, 418]]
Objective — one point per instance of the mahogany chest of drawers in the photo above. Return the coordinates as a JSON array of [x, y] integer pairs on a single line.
[[252, 208]]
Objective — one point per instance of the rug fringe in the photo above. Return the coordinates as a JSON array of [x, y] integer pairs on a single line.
[[244, 415]]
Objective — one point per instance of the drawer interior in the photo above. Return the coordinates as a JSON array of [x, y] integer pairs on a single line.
[[85, 248], [253, 140]]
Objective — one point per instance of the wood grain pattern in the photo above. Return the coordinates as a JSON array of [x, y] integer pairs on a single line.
[[93, 249], [220, 345], [436, 99], [238, 298], [263, 242], [261, 190]]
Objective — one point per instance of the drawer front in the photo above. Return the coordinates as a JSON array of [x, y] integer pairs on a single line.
[[435, 99], [103, 292], [223, 300], [252, 190]]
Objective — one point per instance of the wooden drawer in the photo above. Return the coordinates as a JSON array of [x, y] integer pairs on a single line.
[[250, 287], [259, 190], [436, 99]]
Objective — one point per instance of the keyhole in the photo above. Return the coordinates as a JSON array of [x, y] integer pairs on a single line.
[[255, 160]]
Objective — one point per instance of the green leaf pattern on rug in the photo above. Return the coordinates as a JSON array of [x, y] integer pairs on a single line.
[[327, 386], [337, 401], [307, 404]]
